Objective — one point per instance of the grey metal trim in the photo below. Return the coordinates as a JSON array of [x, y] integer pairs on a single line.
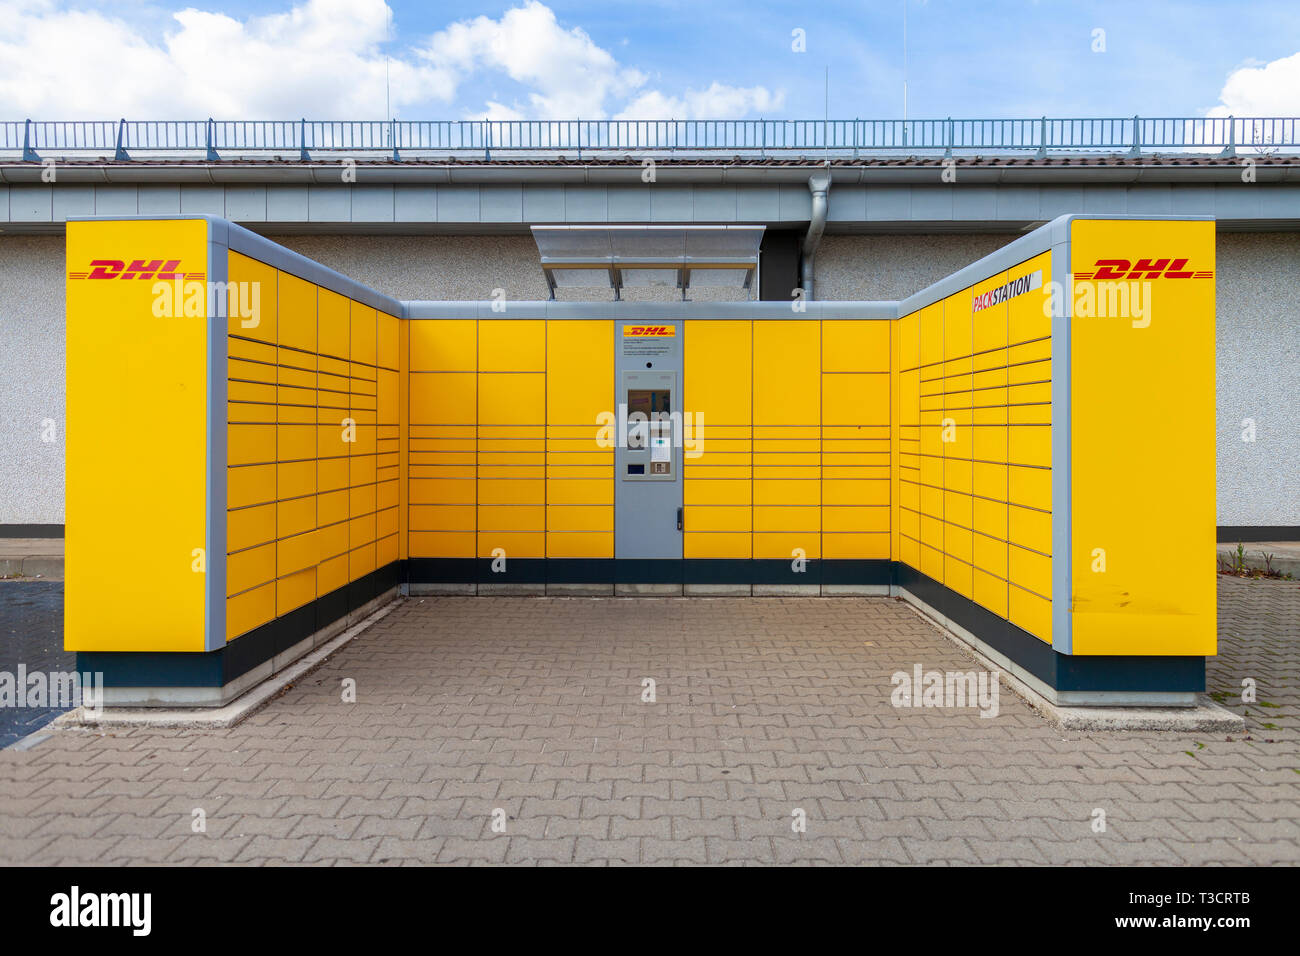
[[214, 616], [1062, 432], [657, 311]]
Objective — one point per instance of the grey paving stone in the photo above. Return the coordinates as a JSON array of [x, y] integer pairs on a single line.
[[532, 705]]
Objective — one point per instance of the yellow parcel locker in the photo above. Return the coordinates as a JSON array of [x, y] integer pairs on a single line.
[[260, 280], [855, 345], [512, 345], [717, 367], [297, 313], [787, 372], [443, 345]]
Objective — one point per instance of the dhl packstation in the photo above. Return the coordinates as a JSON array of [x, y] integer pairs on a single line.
[[260, 451]]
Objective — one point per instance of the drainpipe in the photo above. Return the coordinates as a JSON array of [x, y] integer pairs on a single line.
[[818, 184]]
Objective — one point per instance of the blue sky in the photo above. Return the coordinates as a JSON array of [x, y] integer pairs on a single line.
[[332, 58]]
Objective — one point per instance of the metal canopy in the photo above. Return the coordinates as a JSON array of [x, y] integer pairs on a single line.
[[621, 257]]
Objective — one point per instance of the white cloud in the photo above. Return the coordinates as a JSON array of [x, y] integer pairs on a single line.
[[325, 59], [567, 73], [1262, 89], [716, 102], [320, 59]]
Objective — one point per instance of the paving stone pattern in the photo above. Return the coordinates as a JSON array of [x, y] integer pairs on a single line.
[[765, 706]]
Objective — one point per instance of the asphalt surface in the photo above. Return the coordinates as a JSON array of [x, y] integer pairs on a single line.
[[31, 633]]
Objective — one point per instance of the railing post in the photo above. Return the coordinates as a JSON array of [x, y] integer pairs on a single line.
[[302, 141], [1136, 151], [947, 153], [392, 132], [1231, 149], [487, 140], [855, 138], [212, 156], [1042, 139], [579, 123], [120, 152], [29, 154], [762, 138]]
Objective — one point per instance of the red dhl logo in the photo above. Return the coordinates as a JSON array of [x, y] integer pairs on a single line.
[[1112, 269], [649, 330], [164, 269]]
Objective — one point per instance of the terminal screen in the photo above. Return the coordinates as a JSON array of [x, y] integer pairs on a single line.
[[648, 401]]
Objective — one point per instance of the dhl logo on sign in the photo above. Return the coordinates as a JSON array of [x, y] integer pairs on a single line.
[[157, 269], [648, 331], [1112, 269]]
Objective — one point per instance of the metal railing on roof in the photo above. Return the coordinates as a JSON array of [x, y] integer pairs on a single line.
[[485, 140]]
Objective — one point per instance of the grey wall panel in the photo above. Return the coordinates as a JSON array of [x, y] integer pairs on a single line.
[[1192, 201], [845, 204], [162, 200], [1056, 201], [629, 204], [1098, 200], [1152, 200], [372, 203], [543, 204], [936, 202], [972, 204], [458, 204], [31, 203], [73, 201], [116, 201], [501, 203], [287, 204], [246, 204], [1232, 202], [1018, 202], [586, 204], [796, 202], [671, 203], [415, 204], [760, 204], [888, 202], [1280, 203], [329, 203], [715, 204], [203, 200]]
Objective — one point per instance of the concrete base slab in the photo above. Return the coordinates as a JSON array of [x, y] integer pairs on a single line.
[[124, 718], [787, 590], [715, 590], [419, 590], [31, 558], [580, 590], [855, 590], [511, 590], [648, 590], [1204, 715]]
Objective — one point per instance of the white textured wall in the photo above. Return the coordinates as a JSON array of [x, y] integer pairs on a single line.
[[31, 379], [1258, 342], [1258, 338], [868, 268], [463, 267]]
